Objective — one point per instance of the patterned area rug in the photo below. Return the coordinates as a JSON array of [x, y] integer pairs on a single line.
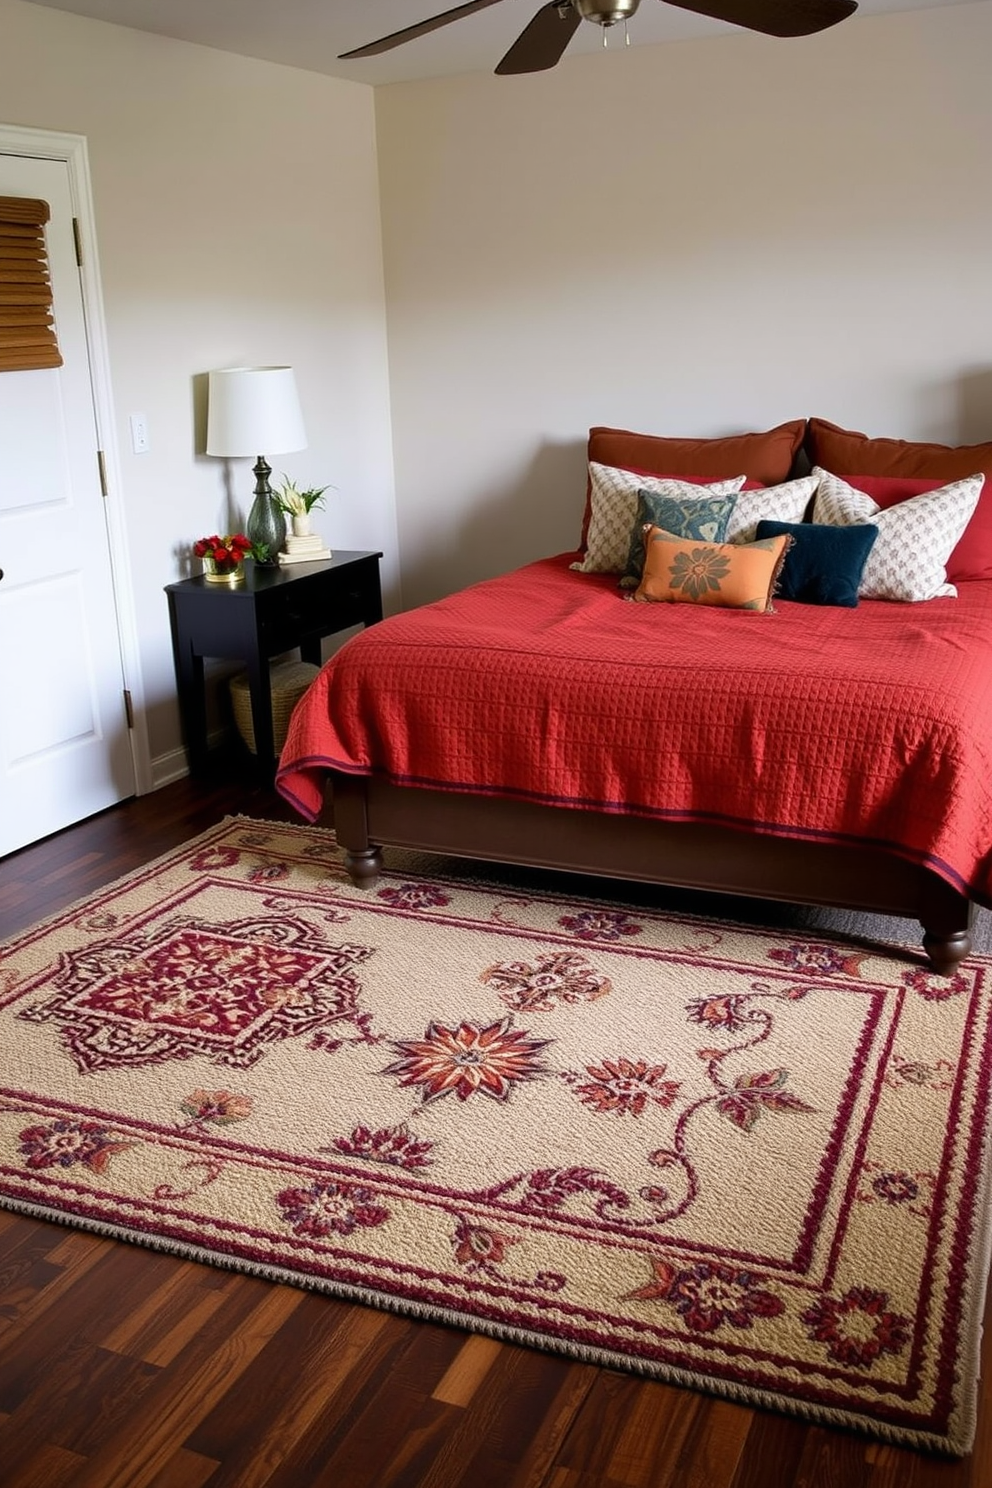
[[726, 1157]]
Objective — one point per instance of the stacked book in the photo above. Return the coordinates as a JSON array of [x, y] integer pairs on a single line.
[[309, 549]]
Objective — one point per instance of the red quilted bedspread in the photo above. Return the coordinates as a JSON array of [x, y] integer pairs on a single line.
[[858, 725]]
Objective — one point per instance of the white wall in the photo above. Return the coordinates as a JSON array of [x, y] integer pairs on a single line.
[[237, 219], [696, 238]]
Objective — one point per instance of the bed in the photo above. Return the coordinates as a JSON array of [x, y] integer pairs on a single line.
[[814, 753]]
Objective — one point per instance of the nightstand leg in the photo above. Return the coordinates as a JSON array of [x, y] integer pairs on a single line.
[[260, 691], [192, 700]]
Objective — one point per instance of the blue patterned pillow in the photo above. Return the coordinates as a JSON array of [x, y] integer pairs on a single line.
[[703, 518], [825, 563]]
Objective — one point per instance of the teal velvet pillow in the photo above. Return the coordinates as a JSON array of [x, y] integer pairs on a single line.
[[703, 518], [824, 564]]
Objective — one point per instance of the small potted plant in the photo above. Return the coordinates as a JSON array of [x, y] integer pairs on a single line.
[[299, 504], [223, 558]]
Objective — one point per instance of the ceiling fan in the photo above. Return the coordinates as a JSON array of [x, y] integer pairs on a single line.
[[543, 41]]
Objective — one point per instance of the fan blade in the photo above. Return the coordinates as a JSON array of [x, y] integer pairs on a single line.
[[773, 17], [542, 43], [397, 38]]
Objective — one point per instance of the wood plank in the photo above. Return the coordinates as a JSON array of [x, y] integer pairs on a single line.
[[211, 1365], [712, 1451], [184, 1470], [49, 1467], [48, 1415], [467, 1370], [313, 1366], [170, 1315]]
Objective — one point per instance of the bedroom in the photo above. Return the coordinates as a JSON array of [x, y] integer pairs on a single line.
[[749, 240]]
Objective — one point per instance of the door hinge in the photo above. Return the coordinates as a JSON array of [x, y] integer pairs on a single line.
[[103, 472], [128, 709], [77, 238]]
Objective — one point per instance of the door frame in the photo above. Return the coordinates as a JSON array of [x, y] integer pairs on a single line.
[[45, 144]]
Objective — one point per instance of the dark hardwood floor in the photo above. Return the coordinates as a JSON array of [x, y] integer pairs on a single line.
[[122, 1366]]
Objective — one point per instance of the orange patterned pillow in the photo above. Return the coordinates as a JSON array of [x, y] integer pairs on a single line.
[[739, 576]]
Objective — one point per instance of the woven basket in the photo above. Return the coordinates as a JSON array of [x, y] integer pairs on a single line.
[[289, 681]]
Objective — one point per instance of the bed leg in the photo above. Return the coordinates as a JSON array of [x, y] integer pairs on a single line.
[[362, 859], [946, 952], [363, 868], [947, 918]]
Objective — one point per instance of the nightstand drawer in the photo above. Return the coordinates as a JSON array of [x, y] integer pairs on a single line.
[[313, 609]]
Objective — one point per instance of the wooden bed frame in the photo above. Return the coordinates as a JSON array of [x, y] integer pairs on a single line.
[[370, 814]]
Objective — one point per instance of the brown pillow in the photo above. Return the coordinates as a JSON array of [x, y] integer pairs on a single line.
[[766, 458], [846, 453], [738, 576]]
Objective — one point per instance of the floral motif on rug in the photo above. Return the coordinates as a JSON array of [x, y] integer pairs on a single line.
[[729, 1157]]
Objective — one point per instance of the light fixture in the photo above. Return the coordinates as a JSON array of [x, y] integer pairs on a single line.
[[252, 409], [606, 13]]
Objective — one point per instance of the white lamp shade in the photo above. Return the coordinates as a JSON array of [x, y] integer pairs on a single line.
[[253, 411]]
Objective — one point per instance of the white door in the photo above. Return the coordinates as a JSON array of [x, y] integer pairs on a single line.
[[65, 750]]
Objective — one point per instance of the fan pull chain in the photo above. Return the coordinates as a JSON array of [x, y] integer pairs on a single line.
[[606, 33]]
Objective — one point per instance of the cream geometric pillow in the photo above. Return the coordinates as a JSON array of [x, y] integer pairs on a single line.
[[915, 538], [784, 503], [613, 510]]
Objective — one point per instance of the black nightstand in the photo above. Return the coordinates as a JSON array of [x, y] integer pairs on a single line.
[[273, 610]]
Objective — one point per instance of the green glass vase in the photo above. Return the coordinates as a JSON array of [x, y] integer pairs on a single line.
[[266, 524]]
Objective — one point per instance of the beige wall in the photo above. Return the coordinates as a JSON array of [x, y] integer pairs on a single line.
[[237, 221], [702, 237]]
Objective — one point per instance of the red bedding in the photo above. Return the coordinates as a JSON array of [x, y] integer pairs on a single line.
[[867, 725]]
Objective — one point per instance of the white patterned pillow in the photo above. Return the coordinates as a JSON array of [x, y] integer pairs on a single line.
[[915, 538], [784, 503], [613, 510]]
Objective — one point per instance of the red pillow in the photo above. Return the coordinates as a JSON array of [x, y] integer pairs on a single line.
[[889, 490], [765, 458], [907, 468]]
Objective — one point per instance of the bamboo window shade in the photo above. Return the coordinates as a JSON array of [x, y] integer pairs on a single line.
[[27, 327]]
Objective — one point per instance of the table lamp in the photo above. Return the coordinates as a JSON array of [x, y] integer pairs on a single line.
[[253, 408]]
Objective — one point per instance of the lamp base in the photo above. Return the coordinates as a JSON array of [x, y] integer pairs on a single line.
[[265, 526]]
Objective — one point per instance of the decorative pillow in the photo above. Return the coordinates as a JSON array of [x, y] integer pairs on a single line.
[[704, 518], [854, 455], [764, 457], [784, 503], [915, 538], [739, 576], [613, 507], [824, 564], [969, 558]]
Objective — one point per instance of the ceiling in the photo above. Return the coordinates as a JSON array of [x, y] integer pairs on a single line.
[[311, 33]]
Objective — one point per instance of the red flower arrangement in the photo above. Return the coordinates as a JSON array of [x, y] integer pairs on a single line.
[[224, 550], [223, 557]]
